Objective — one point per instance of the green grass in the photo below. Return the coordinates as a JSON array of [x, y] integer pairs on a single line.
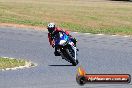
[[10, 63], [95, 16]]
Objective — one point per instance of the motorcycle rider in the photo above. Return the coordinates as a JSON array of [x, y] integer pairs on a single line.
[[52, 29]]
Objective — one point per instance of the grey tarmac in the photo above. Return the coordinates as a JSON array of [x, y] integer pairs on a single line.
[[99, 54]]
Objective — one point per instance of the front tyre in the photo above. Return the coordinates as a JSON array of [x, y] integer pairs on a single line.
[[69, 56]]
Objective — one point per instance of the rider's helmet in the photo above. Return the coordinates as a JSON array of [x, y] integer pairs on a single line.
[[51, 27]]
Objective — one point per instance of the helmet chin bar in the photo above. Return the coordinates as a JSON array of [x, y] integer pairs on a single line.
[[51, 30]]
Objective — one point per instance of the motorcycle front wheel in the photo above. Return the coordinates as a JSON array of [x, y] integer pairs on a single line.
[[69, 56]]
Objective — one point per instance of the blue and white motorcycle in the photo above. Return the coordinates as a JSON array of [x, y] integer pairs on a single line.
[[66, 47]]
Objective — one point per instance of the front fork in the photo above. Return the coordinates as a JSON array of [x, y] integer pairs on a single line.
[[75, 52]]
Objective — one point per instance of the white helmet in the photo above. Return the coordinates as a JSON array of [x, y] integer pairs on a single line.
[[51, 25]]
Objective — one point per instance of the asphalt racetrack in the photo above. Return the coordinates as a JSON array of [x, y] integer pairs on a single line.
[[102, 54]]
